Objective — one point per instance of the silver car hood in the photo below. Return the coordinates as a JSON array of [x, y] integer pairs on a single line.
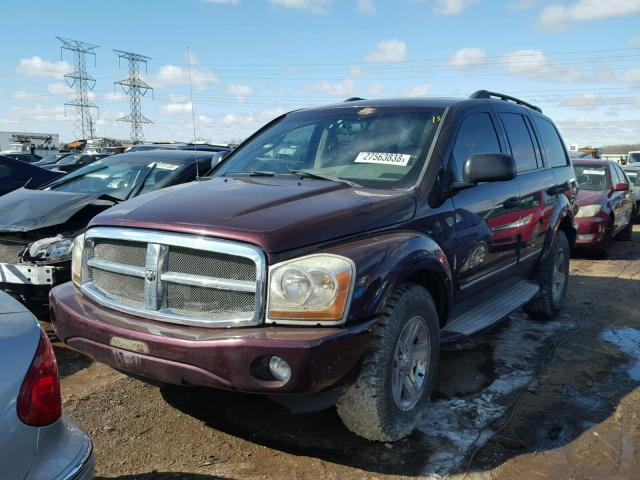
[[19, 336], [24, 210]]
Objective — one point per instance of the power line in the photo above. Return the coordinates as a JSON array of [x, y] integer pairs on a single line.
[[83, 84], [136, 88]]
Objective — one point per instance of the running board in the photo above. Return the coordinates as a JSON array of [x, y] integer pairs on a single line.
[[483, 315]]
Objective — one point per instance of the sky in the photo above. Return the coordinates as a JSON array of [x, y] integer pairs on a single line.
[[252, 60]]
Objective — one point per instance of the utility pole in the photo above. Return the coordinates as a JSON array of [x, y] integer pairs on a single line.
[[83, 83], [136, 88]]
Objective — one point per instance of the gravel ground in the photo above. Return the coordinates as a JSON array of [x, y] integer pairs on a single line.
[[556, 399]]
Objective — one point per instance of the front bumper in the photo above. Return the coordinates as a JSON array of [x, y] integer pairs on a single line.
[[591, 230], [230, 358]]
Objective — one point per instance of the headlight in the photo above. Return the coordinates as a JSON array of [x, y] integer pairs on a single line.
[[313, 288], [51, 249], [589, 211], [76, 259]]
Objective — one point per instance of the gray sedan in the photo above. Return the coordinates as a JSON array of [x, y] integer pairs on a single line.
[[37, 442]]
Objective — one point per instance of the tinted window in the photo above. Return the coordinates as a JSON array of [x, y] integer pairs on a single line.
[[477, 135], [551, 143], [520, 140], [5, 171], [622, 177], [591, 177]]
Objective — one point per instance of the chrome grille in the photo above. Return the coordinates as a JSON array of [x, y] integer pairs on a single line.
[[174, 277]]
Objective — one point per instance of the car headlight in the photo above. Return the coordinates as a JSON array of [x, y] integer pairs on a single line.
[[76, 259], [589, 211], [315, 288], [51, 249]]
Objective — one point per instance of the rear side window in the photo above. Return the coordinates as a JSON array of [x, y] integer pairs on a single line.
[[551, 143], [621, 175], [520, 140], [477, 135]]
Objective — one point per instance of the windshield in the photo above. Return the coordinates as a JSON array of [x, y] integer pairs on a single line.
[[118, 180], [51, 158], [591, 177], [69, 160], [633, 157], [376, 147]]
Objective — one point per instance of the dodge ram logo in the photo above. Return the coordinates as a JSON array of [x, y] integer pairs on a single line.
[[150, 275]]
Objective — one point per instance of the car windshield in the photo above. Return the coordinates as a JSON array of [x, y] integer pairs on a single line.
[[591, 177], [117, 179], [49, 159], [633, 157], [375, 147], [70, 159], [634, 178]]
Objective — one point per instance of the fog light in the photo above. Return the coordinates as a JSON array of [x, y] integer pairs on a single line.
[[280, 369]]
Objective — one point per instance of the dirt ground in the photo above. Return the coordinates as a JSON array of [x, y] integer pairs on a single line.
[[525, 400]]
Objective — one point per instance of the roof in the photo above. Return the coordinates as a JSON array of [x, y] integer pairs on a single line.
[[421, 102], [590, 161]]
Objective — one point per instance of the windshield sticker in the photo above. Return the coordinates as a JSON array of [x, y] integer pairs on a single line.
[[436, 118], [399, 159], [163, 166], [588, 171]]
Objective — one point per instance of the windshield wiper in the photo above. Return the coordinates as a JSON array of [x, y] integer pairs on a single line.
[[251, 173], [317, 176]]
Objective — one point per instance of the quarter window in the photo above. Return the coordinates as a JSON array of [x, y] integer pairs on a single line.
[[477, 135], [520, 140], [551, 143]]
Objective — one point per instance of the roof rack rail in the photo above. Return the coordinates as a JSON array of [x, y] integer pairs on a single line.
[[506, 98], [353, 99]]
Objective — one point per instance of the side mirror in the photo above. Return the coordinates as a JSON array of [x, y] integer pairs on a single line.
[[489, 167], [621, 187]]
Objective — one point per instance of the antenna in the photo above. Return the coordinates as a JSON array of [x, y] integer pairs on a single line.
[[193, 114]]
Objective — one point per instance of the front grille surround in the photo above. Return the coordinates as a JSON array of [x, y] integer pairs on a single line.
[[177, 287]]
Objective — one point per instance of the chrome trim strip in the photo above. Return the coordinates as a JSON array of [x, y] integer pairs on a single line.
[[537, 251], [489, 275], [209, 282], [120, 268], [157, 243]]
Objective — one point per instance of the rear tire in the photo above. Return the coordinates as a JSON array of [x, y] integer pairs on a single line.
[[553, 278], [394, 385]]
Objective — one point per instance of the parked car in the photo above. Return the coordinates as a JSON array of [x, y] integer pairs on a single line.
[[633, 158], [72, 162], [36, 440], [633, 174], [23, 156], [331, 254], [16, 173], [606, 203], [205, 147], [37, 227], [51, 159]]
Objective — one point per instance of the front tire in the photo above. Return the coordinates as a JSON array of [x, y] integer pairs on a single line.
[[626, 233], [553, 278], [395, 381]]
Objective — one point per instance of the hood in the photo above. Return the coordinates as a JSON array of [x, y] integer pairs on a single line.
[[590, 197], [276, 214], [24, 210]]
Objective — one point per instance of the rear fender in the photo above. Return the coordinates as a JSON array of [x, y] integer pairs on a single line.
[[385, 261], [561, 219]]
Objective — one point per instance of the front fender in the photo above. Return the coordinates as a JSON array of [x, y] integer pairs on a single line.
[[385, 261], [562, 212]]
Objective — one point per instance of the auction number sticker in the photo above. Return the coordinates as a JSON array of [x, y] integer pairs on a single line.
[[593, 172], [400, 159]]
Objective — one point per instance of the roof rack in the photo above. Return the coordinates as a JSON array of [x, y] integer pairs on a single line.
[[506, 98], [353, 99]]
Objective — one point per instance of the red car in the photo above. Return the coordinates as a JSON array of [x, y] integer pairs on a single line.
[[606, 204]]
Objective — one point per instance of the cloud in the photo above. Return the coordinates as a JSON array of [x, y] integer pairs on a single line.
[[22, 95], [451, 7], [417, 91], [633, 42], [583, 101], [366, 6], [557, 16], [253, 120], [388, 51], [318, 7], [36, 66], [223, 2], [115, 97], [374, 89], [178, 105], [241, 92], [630, 76], [534, 64], [39, 113], [467, 59], [339, 89], [60, 88], [175, 75]]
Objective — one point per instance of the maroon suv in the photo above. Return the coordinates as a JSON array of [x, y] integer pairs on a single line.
[[330, 255]]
